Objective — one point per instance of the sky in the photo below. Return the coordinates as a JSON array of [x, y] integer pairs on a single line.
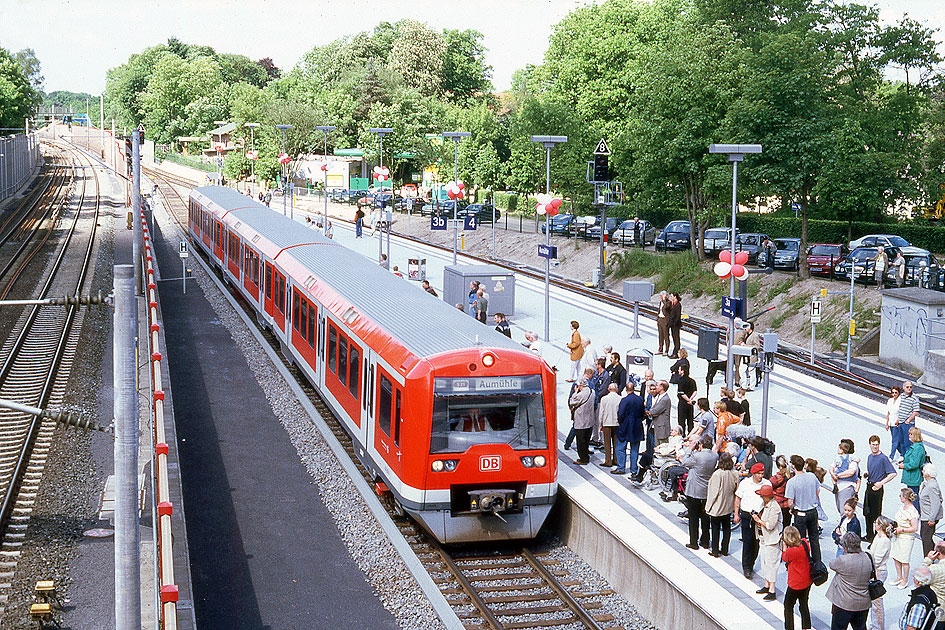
[[77, 41]]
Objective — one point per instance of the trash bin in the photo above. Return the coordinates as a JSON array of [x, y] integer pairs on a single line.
[[639, 360]]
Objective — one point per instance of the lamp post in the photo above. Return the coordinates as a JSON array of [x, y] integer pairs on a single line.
[[252, 147], [219, 146], [736, 153], [381, 132], [325, 129], [455, 136], [282, 128], [548, 142]]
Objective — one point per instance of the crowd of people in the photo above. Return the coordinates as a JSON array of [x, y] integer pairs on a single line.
[[731, 478]]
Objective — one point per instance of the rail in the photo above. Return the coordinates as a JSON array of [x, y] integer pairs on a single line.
[[168, 589]]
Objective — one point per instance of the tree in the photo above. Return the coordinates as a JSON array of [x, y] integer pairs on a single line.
[[464, 75], [241, 69], [909, 45], [17, 96], [270, 68], [417, 56], [31, 69]]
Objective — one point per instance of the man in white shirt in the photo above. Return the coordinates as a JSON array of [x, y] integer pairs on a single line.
[[748, 502]]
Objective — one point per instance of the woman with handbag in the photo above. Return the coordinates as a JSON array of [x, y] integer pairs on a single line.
[[907, 524], [879, 552], [845, 472], [798, 578], [769, 529]]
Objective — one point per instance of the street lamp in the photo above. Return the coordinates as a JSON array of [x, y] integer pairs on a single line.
[[282, 128], [455, 136], [381, 132], [219, 147], [548, 142], [325, 129], [252, 147], [736, 153]]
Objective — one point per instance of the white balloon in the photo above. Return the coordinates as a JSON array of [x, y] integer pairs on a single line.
[[722, 269]]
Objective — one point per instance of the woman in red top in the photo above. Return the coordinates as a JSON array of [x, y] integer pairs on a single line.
[[798, 578]]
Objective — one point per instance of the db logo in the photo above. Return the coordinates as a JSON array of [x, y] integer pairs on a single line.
[[490, 463]]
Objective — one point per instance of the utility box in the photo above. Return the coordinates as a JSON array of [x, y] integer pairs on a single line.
[[639, 360], [708, 347], [498, 283], [637, 290]]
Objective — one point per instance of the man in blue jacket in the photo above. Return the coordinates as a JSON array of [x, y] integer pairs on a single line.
[[629, 430]]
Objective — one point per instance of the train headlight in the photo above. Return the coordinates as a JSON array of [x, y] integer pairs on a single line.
[[438, 465], [539, 461], [528, 461], [488, 359], [451, 464]]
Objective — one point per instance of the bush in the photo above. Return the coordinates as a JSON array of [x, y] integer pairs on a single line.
[[505, 200]]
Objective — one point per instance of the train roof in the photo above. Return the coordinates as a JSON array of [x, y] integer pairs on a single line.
[[423, 324]]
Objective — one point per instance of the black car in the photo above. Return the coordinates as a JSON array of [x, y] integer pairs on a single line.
[[861, 259], [443, 208], [674, 236], [484, 212], [410, 204], [751, 243], [593, 231]]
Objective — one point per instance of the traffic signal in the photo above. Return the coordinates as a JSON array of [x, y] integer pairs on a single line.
[[601, 168]]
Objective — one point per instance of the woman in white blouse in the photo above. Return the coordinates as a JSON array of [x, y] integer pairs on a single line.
[[879, 551], [892, 422]]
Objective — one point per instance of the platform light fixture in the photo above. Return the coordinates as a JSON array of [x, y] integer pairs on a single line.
[[736, 153], [549, 143], [381, 132], [283, 128], [325, 129], [252, 147]]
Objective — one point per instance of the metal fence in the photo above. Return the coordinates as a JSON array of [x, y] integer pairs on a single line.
[[18, 155]]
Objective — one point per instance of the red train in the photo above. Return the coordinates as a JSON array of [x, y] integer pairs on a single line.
[[456, 419]]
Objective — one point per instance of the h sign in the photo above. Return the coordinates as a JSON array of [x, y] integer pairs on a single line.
[[490, 463]]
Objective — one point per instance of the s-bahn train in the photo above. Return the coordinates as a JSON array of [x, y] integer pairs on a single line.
[[457, 420]]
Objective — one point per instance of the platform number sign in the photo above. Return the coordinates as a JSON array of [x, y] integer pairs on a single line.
[[815, 313], [437, 222], [490, 463], [469, 223]]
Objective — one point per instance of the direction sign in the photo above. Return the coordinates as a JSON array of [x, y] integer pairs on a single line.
[[732, 307], [469, 223], [602, 148], [815, 314], [548, 251], [437, 222]]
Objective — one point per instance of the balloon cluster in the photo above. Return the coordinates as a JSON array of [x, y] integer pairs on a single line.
[[724, 268], [547, 204], [323, 165], [454, 190], [381, 173], [284, 158], [251, 155]]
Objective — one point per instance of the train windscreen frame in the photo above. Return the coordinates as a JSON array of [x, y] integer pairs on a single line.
[[471, 411]]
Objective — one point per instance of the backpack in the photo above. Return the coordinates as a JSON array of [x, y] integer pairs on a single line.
[[818, 570]]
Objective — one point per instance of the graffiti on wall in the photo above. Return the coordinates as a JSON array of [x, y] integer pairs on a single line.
[[907, 324]]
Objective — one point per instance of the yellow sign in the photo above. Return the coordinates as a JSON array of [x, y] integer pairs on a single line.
[[823, 293], [852, 327]]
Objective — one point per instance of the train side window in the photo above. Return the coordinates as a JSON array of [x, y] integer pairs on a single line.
[[397, 419], [365, 382], [371, 390], [268, 282], [343, 360], [256, 270], [282, 294], [303, 317], [311, 325], [384, 404], [332, 345], [295, 311], [354, 365]]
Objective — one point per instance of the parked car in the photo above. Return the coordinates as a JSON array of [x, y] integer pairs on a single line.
[[561, 225], [367, 201], [352, 196], [922, 270], [674, 236], [624, 234], [861, 259], [593, 231], [337, 195], [873, 240], [751, 243], [787, 255], [822, 258], [410, 204], [716, 239], [444, 208], [484, 212]]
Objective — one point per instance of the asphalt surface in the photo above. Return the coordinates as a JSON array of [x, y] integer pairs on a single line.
[[265, 552]]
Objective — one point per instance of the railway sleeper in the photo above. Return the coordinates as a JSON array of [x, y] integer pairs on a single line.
[[526, 610], [542, 623]]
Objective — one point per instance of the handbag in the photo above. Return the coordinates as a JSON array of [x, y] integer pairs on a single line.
[[876, 587], [818, 570]]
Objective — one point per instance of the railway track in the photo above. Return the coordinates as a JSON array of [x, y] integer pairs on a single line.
[[37, 358], [516, 589]]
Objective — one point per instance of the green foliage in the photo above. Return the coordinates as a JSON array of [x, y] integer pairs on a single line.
[[677, 272], [17, 96], [505, 200]]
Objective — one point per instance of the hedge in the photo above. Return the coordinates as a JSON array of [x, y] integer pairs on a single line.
[[505, 200]]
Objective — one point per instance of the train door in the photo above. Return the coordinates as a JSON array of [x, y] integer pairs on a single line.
[[233, 253], [275, 296], [388, 420], [205, 222], [218, 239]]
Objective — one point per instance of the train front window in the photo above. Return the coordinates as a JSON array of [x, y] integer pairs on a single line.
[[490, 410]]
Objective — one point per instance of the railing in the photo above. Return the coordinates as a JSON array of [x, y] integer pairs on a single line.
[[165, 509], [185, 160], [18, 154]]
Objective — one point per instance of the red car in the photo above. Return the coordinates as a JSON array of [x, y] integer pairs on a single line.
[[822, 258]]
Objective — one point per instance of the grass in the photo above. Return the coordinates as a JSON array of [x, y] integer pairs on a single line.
[[678, 272], [779, 288]]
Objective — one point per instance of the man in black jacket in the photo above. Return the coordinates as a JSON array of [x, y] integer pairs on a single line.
[[502, 324], [618, 374], [675, 322]]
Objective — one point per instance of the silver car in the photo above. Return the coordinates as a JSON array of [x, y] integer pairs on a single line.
[[624, 234]]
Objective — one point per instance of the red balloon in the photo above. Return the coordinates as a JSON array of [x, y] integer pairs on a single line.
[[553, 210], [725, 256], [741, 258], [739, 272], [556, 203]]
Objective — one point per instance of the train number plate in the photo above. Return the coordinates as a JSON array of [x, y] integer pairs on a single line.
[[490, 463]]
